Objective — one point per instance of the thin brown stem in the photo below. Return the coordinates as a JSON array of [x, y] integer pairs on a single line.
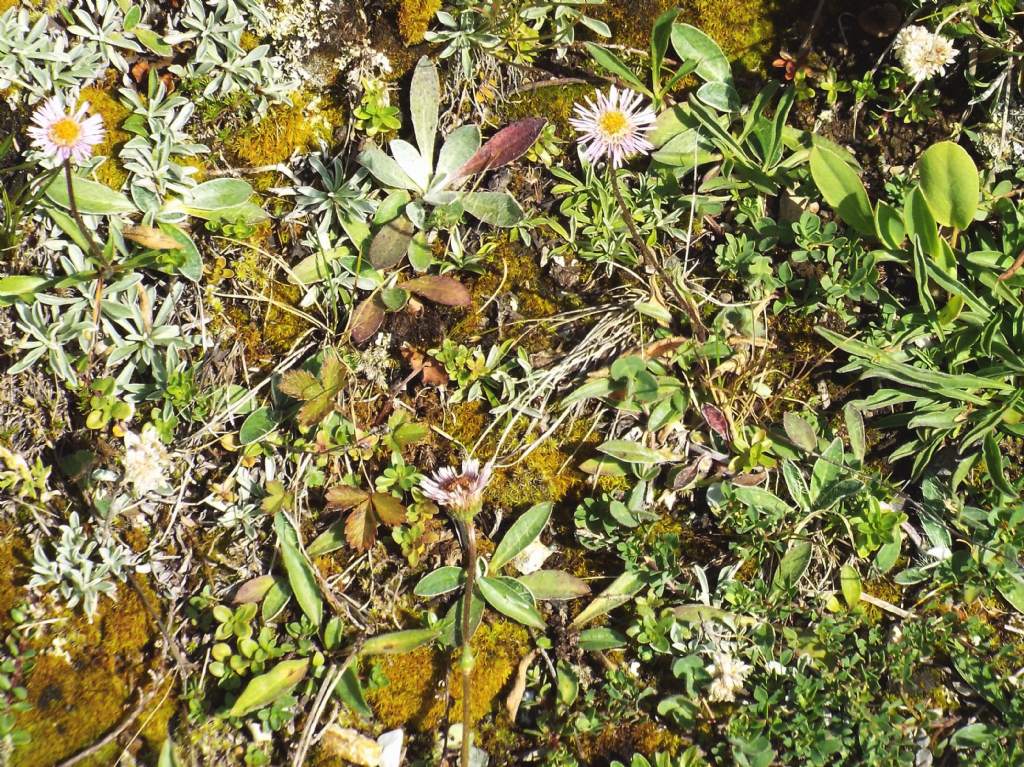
[[698, 327], [1014, 268]]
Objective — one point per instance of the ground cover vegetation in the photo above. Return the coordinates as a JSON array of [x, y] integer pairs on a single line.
[[527, 382]]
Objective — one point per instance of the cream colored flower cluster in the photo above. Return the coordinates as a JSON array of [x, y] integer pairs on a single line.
[[923, 54]]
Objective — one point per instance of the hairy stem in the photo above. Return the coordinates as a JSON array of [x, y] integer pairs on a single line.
[[468, 533], [698, 327]]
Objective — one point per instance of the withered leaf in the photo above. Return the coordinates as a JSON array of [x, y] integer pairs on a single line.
[[361, 525], [345, 497], [151, 237], [367, 319], [716, 419], [300, 384], [388, 509], [440, 289], [505, 146]]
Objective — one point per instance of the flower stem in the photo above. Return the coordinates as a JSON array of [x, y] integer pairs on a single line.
[[468, 534], [94, 250], [698, 327]]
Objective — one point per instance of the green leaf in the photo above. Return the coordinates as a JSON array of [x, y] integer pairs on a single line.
[[621, 590], [692, 45], [350, 692], [994, 465], [799, 431], [153, 41], [276, 600], [167, 756], [384, 169], [440, 581], [842, 188], [397, 642], [631, 452], [424, 102], [762, 500], [218, 194], [615, 66], [21, 286], [257, 425], [920, 222], [602, 639], [331, 539], [827, 467], [192, 267], [855, 429], [793, 564], [510, 602], [889, 226], [950, 183], [661, 33], [554, 585], [524, 531], [494, 208], [266, 688], [460, 145], [299, 571], [391, 243], [849, 582], [91, 197], [720, 96]]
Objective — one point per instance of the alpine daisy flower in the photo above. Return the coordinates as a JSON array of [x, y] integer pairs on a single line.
[[923, 54], [462, 492], [64, 135], [146, 461], [615, 127]]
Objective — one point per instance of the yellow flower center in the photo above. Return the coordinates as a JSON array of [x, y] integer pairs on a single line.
[[65, 132], [613, 123]]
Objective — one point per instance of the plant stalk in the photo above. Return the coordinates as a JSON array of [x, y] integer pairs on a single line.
[[94, 251], [698, 327], [468, 532]]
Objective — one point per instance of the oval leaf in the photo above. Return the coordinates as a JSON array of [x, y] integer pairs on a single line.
[[367, 319], [90, 197], [842, 188], [554, 585], [950, 182], [442, 290], [440, 581], [509, 602], [300, 573], [692, 45], [391, 242], [505, 146], [266, 688]]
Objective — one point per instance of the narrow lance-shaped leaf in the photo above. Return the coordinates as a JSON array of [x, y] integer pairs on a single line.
[[400, 641], [621, 590], [504, 147], [509, 602], [842, 188], [521, 534], [424, 102], [299, 571]]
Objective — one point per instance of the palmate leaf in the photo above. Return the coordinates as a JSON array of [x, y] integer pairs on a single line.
[[317, 394], [367, 515]]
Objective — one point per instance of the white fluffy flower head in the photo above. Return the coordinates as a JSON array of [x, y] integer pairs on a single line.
[[462, 492], [728, 674], [923, 54], [65, 135], [615, 127], [146, 461]]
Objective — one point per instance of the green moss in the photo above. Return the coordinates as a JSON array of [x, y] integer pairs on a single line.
[[625, 739], [103, 101], [415, 698], [554, 103], [414, 17], [75, 703]]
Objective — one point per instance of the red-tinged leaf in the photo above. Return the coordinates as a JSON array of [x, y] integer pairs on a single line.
[[442, 290], [345, 497], [388, 509], [505, 146], [361, 527], [716, 419], [390, 244], [253, 590], [367, 319]]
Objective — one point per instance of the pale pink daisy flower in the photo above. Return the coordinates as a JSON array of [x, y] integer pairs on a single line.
[[64, 135], [615, 127], [462, 492]]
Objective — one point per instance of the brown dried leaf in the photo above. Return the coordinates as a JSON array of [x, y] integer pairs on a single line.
[[440, 289], [361, 527], [505, 146], [345, 497], [151, 237], [367, 319], [716, 419]]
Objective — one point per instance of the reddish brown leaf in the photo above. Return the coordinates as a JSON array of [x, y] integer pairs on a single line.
[[367, 319], [151, 237], [716, 419], [345, 497], [505, 146], [442, 290], [361, 527], [388, 509]]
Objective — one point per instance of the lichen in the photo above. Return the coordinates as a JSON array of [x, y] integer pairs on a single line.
[[414, 696]]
